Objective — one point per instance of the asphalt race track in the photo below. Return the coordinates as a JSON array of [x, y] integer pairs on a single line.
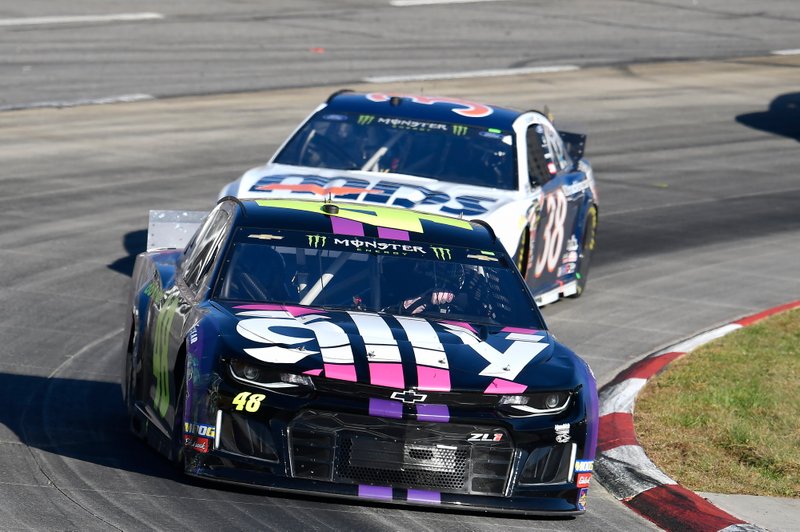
[[699, 223]]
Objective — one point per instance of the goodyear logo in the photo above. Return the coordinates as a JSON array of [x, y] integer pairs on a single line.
[[315, 241], [460, 131], [364, 120], [442, 253]]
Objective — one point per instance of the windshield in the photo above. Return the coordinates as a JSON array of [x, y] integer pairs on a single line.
[[447, 152], [375, 275]]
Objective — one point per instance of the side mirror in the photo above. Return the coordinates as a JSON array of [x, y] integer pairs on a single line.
[[575, 144]]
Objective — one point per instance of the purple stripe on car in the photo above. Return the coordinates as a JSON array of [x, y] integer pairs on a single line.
[[435, 413], [385, 408], [374, 492], [431, 497], [341, 226], [394, 234]]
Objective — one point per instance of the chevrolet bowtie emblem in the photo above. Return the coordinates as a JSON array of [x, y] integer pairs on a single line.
[[409, 396]]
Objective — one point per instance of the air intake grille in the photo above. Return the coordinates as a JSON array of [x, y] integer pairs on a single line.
[[355, 449]]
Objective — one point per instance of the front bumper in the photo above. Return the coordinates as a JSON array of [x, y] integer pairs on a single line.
[[479, 465]]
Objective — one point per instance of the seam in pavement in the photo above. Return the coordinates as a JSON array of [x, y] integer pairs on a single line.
[[622, 465]]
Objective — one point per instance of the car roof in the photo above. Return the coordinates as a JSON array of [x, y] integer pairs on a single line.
[[360, 219], [410, 106]]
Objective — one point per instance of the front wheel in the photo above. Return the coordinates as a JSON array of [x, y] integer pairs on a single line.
[[588, 243]]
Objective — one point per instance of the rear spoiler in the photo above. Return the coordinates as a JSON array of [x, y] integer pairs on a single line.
[[172, 229]]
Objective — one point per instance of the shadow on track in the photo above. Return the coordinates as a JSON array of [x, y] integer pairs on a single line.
[[135, 242], [782, 117], [80, 419], [86, 420]]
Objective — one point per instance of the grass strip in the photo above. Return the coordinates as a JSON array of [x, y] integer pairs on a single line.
[[726, 417]]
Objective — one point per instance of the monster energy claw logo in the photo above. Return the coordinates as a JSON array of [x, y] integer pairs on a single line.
[[363, 120], [441, 253], [315, 241], [459, 130]]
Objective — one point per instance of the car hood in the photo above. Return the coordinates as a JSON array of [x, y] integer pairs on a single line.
[[399, 352], [430, 195]]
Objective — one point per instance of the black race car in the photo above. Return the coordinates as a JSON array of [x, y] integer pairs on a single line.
[[357, 350]]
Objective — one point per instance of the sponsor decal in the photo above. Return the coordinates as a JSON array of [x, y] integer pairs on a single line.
[[491, 134], [364, 120], [193, 335], [200, 445], [575, 188], [416, 125], [570, 256], [265, 237], [161, 337], [380, 247], [566, 269], [315, 241], [572, 243], [381, 192], [483, 258], [442, 253], [583, 466], [485, 436], [335, 118], [562, 433], [459, 107], [582, 499], [582, 480], [152, 290], [409, 396], [505, 355], [460, 131], [207, 431]]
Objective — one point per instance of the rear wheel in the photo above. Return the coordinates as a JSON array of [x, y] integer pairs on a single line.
[[588, 243]]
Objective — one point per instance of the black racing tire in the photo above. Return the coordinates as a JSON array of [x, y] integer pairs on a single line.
[[588, 243]]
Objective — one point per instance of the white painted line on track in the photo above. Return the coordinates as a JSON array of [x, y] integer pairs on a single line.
[[120, 17], [413, 3], [786, 52], [473, 74], [125, 98]]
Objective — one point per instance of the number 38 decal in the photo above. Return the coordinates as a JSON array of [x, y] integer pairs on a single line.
[[553, 236]]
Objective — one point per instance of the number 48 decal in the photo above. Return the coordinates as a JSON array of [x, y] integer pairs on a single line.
[[553, 235], [249, 402]]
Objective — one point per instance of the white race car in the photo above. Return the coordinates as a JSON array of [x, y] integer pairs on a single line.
[[511, 169]]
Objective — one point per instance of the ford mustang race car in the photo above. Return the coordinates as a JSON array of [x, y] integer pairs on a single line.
[[360, 351], [512, 169]]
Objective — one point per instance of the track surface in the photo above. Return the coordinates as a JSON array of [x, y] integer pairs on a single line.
[[699, 223], [205, 46], [696, 162]]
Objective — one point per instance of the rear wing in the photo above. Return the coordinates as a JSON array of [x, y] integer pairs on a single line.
[[575, 144], [172, 229]]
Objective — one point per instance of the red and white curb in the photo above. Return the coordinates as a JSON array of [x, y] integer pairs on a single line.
[[621, 464]]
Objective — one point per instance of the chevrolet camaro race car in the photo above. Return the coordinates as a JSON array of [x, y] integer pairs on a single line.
[[512, 169], [360, 351]]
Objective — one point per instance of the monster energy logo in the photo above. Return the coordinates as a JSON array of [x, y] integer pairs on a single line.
[[315, 241], [459, 131], [363, 120], [441, 253]]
